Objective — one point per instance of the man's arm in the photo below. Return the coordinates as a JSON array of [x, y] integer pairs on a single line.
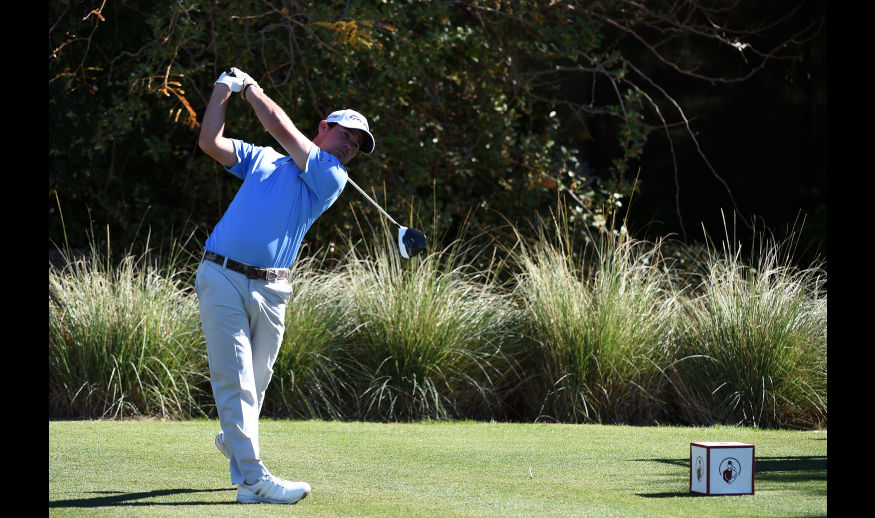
[[212, 140], [278, 124]]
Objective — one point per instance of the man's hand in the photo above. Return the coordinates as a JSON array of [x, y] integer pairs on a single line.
[[233, 78]]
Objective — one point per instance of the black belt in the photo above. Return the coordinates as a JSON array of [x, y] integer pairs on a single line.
[[252, 272]]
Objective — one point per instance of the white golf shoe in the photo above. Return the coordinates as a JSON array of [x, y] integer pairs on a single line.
[[272, 490], [220, 444]]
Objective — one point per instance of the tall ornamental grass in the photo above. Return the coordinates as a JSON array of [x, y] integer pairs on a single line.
[[429, 338], [604, 328], [124, 340], [312, 370], [753, 350], [600, 321]]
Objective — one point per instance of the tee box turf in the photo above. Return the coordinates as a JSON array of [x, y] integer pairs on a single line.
[[722, 468]]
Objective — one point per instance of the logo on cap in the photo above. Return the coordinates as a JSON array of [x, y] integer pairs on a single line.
[[353, 116]]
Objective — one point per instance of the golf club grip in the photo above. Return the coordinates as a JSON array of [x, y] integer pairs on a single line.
[[348, 179]]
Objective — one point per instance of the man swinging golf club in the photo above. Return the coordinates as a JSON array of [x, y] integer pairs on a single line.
[[241, 282]]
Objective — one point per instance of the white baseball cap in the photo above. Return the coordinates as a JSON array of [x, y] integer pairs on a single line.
[[354, 120]]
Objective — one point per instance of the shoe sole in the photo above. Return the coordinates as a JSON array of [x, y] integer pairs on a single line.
[[257, 500]]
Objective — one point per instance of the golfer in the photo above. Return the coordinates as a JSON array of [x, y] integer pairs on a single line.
[[242, 282]]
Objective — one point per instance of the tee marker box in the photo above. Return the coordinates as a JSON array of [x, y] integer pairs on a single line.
[[722, 468]]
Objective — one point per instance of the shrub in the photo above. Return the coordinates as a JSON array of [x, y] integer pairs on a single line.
[[429, 336], [754, 346], [599, 320], [124, 340], [311, 373]]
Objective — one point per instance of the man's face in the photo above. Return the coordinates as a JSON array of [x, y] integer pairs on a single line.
[[340, 141]]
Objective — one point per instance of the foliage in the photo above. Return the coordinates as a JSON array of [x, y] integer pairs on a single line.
[[753, 350], [430, 335], [601, 324], [124, 340], [311, 371], [482, 103], [603, 330]]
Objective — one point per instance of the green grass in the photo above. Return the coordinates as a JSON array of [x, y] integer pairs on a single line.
[[464, 469], [556, 328], [124, 340], [755, 341], [428, 344], [601, 326]]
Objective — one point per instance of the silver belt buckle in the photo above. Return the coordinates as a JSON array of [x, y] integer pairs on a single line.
[[274, 274]]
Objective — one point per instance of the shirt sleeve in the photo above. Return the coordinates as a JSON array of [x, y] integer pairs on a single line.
[[324, 176], [245, 156]]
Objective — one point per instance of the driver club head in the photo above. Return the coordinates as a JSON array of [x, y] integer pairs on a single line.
[[410, 242]]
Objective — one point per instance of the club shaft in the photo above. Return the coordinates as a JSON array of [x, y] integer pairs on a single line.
[[372, 201]]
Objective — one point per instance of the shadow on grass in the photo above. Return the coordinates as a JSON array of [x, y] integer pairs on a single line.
[[777, 469], [119, 498]]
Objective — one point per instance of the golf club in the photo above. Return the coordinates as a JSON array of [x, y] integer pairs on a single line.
[[410, 240]]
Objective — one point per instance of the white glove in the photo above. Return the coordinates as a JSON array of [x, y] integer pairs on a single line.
[[233, 78]]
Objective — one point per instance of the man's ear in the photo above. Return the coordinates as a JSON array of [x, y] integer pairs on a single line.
[[323, 127]]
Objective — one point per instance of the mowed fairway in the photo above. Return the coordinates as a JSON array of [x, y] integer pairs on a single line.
[[160, 468]]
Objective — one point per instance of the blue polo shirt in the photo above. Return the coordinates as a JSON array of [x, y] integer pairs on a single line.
[[276, 204]]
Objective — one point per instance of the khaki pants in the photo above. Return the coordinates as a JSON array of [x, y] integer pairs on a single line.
[[243, 323]]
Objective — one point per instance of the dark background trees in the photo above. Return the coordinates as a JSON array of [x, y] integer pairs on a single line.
[[676, 111]]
